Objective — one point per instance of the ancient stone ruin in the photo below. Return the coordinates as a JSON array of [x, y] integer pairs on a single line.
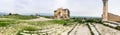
[[113, 17], [105, 10], [108, 16], [61, 13]]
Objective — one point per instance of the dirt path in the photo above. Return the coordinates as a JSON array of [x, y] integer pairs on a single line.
[[104, 30]]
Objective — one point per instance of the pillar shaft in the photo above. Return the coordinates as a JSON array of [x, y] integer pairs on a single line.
[[105, 10]]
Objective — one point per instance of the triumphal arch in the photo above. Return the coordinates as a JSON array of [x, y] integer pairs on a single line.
[[61, 13]]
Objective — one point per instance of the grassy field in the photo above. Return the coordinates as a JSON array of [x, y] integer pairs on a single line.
[[12, 24]]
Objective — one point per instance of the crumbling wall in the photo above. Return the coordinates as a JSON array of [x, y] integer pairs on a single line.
[[113, 17]]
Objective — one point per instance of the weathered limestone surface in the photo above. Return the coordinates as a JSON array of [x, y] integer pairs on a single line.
[[112, 17], [105, 10], [104, 30], [81, 30]]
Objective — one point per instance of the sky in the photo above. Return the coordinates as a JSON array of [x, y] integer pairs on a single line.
[[77, 7]]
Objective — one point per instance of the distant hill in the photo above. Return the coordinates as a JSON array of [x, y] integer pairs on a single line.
[[41, 14], [2, 13], [46, 14]]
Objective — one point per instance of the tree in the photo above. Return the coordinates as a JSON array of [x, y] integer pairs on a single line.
[[10, 14]]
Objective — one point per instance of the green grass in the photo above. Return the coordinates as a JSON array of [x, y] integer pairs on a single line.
[[16, 25], [7, 22], [27, 28], [4, 23], [63, 22], [43, 23], [30, 28]]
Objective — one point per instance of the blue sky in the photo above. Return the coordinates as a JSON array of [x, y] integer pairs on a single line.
[[77, 7]]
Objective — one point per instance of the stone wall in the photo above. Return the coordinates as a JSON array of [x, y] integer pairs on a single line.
[[113, 17]]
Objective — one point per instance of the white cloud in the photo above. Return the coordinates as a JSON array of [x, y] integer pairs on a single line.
[[7, 5], [60, 3], [77, 7], [114, 7]]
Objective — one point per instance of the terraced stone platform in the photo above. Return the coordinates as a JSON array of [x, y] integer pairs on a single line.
[[104, 30]]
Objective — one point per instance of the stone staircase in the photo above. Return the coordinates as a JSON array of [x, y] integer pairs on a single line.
[[112, 24], [93, 29]]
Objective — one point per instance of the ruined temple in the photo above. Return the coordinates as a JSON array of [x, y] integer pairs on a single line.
[[61, 13], [106, 16]]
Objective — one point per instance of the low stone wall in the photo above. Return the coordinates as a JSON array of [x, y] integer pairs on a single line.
[[112, 17]]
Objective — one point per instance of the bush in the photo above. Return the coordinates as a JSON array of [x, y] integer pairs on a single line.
[[65, 24]]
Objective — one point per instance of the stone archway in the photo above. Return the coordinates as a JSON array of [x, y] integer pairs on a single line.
[[61, 13]]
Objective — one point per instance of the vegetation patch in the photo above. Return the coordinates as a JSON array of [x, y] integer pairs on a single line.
[[118, 27], [87, 20], [37, 23], [30, 28], [4, 23], [63, 22]]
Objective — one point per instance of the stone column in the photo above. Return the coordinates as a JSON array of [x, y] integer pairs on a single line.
[[105, 10]]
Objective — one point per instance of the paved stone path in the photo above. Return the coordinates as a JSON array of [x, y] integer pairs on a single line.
[[104, 30], [81, 30], [93, 29]]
